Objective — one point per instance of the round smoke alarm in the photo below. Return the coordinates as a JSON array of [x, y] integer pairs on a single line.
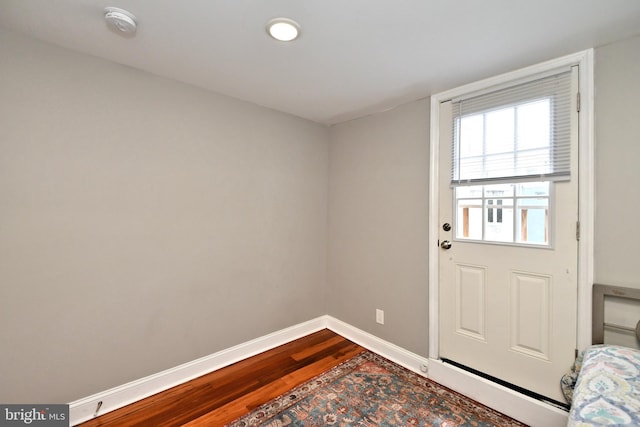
[[120, 20]]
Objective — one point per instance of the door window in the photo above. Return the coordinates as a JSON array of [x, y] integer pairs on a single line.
[[509, 148]]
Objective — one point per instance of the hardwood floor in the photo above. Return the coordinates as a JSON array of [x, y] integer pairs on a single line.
[[226, 394]]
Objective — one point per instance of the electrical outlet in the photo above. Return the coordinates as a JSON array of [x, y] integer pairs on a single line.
[[379, 316]]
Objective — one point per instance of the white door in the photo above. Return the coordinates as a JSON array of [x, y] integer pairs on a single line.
[[508, 272]]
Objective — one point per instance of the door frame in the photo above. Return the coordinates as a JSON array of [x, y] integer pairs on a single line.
[[586, 190]]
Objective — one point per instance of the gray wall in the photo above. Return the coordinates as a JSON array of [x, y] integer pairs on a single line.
[[617, 162], [144, 223], [378, 224], [378, 204], [617, 158]]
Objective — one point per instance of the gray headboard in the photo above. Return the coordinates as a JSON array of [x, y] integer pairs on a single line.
[[599, 294]]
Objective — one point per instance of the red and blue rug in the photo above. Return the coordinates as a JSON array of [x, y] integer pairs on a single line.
[[369, 390]]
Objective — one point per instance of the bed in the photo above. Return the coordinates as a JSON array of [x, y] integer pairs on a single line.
[[604, 387]]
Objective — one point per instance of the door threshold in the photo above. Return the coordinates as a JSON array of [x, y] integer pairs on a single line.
[[521, 390], [532, 412]]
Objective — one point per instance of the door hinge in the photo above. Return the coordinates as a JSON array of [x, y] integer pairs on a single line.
[[576, 354], [578, 230], [578, 102]]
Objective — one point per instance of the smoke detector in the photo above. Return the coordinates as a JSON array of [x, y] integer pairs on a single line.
[[120, 20]]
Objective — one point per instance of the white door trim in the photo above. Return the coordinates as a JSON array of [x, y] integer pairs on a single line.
[[586, 189]]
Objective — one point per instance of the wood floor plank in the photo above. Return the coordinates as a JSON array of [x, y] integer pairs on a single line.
[[228, 393], [311, 350], [249, 402]]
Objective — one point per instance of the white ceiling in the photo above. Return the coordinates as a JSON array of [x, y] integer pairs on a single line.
[[355, 57]]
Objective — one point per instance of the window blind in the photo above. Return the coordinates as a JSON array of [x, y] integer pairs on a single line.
[[516, 133]]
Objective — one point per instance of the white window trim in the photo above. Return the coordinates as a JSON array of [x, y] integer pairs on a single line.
[[586, 188]]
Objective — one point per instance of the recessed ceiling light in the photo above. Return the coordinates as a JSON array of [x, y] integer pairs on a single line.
[[283, 29]]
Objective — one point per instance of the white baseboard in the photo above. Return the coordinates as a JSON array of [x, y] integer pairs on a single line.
[[85, 409], [516, 405], [399, 355]]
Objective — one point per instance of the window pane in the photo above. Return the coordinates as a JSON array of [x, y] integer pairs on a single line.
[[500, 131], [499, 190], [534, 124], [532, 189], [471, 167], [534, 162], [469, 219], [471, 135], [469, 192], [500, 165], [532, 219], [500, 228]]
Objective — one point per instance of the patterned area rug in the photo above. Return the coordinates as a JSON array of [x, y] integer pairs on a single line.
[[369, 390]]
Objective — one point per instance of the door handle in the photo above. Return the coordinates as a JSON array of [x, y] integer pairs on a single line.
[[445, 244]]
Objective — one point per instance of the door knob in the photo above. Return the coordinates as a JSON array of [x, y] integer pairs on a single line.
[[445, 244]]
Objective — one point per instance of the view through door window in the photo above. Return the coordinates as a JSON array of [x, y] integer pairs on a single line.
[[504, 213], [512, 140]]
